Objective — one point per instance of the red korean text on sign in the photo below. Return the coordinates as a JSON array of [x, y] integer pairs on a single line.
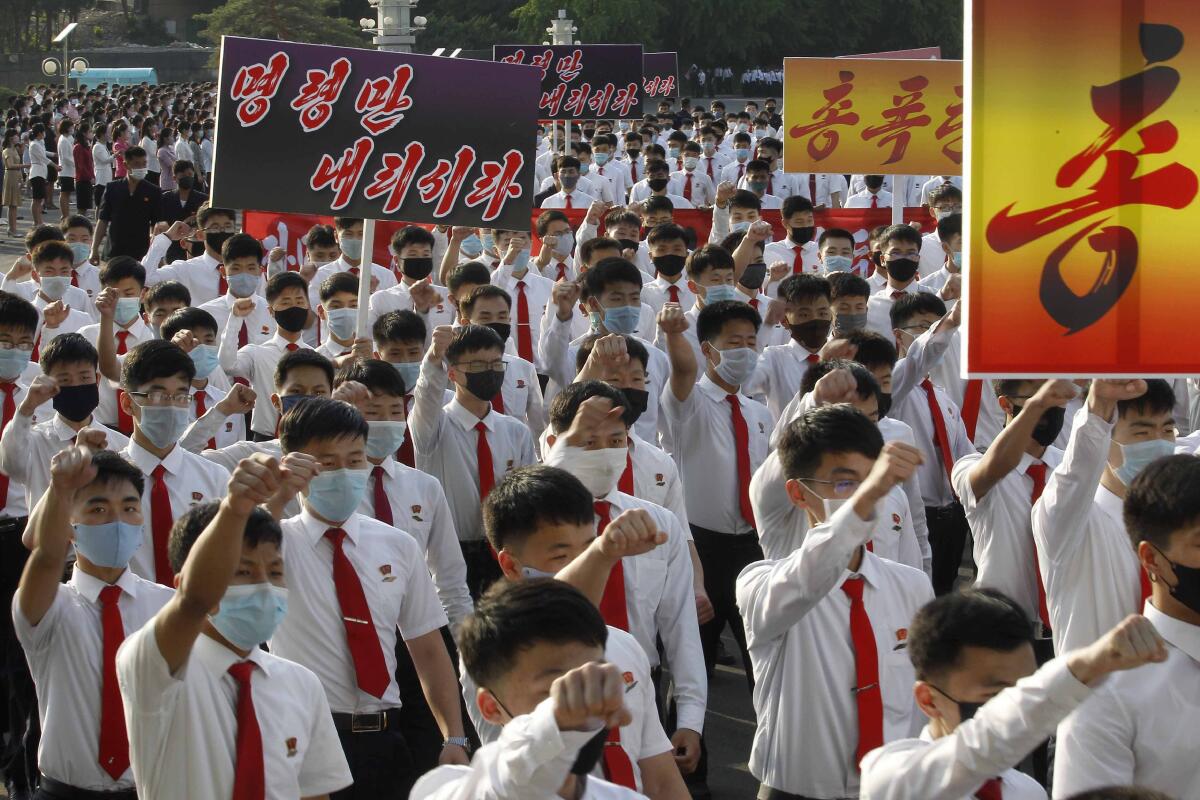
[[569, 67], [396, 176], [823, 135], [659, 86], [383, 101], [624, 100], [951, 129], [255, 86], [444, 182], [319, 93], [497, 185], [552, 101], [904, 115], [577, 99], [342, 174], [600, 100]]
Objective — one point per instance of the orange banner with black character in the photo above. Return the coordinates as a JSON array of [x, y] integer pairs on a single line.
[[1083, 185]]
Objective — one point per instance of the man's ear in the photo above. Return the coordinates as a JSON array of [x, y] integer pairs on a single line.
[[276, 403], [1005, 404], [126, 402], [795, 493], [489, 707], [924, 698], [1152, 561], [508, 565]]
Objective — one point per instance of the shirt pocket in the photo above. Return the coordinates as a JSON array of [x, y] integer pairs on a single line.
[[896, 676], [649, 585]]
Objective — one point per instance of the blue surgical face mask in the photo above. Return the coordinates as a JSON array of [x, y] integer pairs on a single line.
[[622, 319], [521, 262], [530, 573], [242, 284], [600, 158], [80, 252], [288, 401], [585, 168], [409, 372], [335, 493], [715, 294], [163, 425], [838, 263], [384, 437], [250, 613], [1139, 455], [471, 246], [489, 242], [351, 248], [742, 153], [109, 544], [342, 321], [204, 356], [127, 310], [758, 187], [673, 152], [736, 227], [13, 362], [956, 257], [55, 286]]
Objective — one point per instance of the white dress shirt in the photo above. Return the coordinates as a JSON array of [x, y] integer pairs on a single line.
[[1088, 565], [657, 293], [704, 192], [578, 199], [222, 429], [707, 453], [386, 278], [780, 371], [201, 274], [399, 298], [399, 593], [864, 199], [913, 409], [1006, 729], [260, 325], [66, 156], [139, 331], [656, 478], [1140, 728], [419, 508], [27, 447], [256, 363], [73, 298], [13, 506], [183, 726], [938, 180], [65, 651], [933, 257], [538, 290], [38, 160], [445, 443], [798, 633], [103, 159], [879, 307]]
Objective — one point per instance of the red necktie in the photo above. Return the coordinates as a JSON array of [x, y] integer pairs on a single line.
[[972, 396], [562, 274], [114, 741], [754, 304], [874, 201], [569, 205], [124, 421], [812, 358], [867, 695], [498, 402], [812, 187], [673, 293], [383, 508], [9, 409], [612, 604], [524, 330], [741, 171], [618, 768], [1037, 472], [625, 484], [741, 440], [633, 170], [222, 284], [292, 347], [991, 790], [898, 293], [687, 187], [771, 184], [243, 335], [365, 650], [74, 278], [201, 409], [798, 261], [710, 172], [483, 454], [249, 780], [354, 271], [161, 520], [36, 356], [405, 454], [940, 437]]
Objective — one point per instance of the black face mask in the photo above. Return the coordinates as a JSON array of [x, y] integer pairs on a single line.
[[965, 710], [1187, 586], [638, 400], [292, 319], [628, 244], [885, 403], [502, 329], [1048, 427], [216, 240], [633, 154], [812, 334], [288, 401], [903, 269], [802, 235], [669, 265], [484, 385], [657, 184], [76, 403], [754, 275], [186, 182], [589, 754], [417, 269]]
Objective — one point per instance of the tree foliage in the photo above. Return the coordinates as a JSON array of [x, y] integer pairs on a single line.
[[311, 21]]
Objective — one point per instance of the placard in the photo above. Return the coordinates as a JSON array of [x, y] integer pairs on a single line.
[[582, 81]]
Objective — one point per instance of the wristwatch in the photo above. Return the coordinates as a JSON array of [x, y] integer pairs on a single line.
[[460, 741]]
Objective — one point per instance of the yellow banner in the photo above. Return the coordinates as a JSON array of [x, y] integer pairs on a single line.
[[872, 116]]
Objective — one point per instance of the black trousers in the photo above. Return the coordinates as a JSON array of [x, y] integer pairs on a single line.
[[948, 531], [20, 732], [724, 556], [417, 723], [83, 195], [482, 568], [381, 765], [50, 789]]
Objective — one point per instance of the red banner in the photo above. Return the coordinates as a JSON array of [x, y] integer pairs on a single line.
[[288, 230]]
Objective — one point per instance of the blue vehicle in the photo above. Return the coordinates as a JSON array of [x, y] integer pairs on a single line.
[[116, 76]]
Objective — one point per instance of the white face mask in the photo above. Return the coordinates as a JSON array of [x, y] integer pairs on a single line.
[[598, 470], [737, 365]]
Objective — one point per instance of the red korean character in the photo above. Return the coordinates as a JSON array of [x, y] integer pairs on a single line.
[[497, 185], [624, 100], [650, 87], [342, 175], [577, 103], [255, 85], [445, 181], [396, 176], [543, 61], [667, 87], [516, 57], [904, 115], [569, 67], [599, 101], [385, 100], [824, 136], [953, 125], [319, 93], [551, 101]]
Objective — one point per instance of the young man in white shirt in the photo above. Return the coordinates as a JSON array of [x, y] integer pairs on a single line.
[[338, 313], [242, 303], [899, 251], [349, 232], [1091, 573], [690, 184], [781, 368], [987, 707], [735, 170], [668, 253], [554, 259], [1138, 728], [849, 295], [412, 248], [204, 276], [357, 584], [799, 250], [70, 631], [208, 709], [873, 196], [536, 650], [52, 276], [566, 175], [465, 443], [530, 292], [831, 615], [949, 253], [945, 201]]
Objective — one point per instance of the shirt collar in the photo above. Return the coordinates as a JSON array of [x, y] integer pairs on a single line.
[[139, 329], [868, 570], [61, 429], [389, 466], [89, 586], [314, 529], [1178, 633], [278, 341], [147, 461], [710, 389], [1110, 504], [802, 351], [459, 413], [218, 658]]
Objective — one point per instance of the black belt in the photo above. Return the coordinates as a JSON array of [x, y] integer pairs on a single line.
[[68, 792], [942, 512], [10, 524], [373, 722], [767, 793]]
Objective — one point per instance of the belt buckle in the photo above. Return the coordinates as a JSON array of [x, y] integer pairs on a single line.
[[367, 723]]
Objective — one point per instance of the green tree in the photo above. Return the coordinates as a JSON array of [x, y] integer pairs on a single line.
[[470, 24], [599, 21], [287, 20]]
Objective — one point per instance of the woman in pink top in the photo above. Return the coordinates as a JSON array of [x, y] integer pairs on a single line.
[[120, 140]]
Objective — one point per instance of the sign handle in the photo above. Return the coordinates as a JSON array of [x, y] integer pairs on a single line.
[[899, 193], [364, 278]]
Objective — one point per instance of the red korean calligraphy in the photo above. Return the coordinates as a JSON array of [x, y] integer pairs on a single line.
[[552, 101], [342, 174], [659, 86], [569, 67], [823, 135], [1121, 105], [396, 176], [444, 181], [255, 86], [541, 61], [497, 185], [319, 93], [899, 120], [383, 101], [951, 129], [624, 100]]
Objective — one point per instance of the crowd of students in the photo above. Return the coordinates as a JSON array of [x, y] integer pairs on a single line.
[[488, 548]]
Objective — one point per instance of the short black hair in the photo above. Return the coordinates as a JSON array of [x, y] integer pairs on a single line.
[[900, 233], [280, 281], [636, 350], [834, 233], [668, 232], [794, 204], [1163, 498], [207, 211], [712, 318], [709, 256], [847, 284], [166, 292], [302, 357], [977, 617], [113, 467], [241, 245], [261, 528], [802, 287], [513, 616], [873, 350], [345, 223], [17, 312], [119, 268], [1158, 399], [913, 303], [68, 348], [481, 293], [156, 358], [546, 217], [52, 250], [840, 428], [597, 243], [744, 198], [43, 233], [470, 272], [608, 272], [76, 221], [472, 339], [378, 376], [655, 202], [320, 418], [949, 226], [320, 236], [529, 497], [410, 234], [399, 326], [337, 283], [188, 319], [945, 192], [866, 385], [566, 404]]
